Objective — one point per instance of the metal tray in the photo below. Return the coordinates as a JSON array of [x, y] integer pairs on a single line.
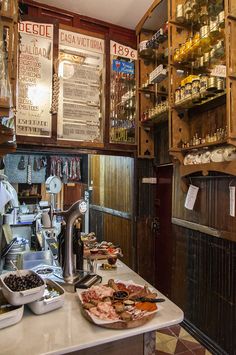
[[21, 297], [42, 305]]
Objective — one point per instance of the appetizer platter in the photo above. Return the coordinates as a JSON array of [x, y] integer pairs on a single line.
[[119, 304], [101, 250]]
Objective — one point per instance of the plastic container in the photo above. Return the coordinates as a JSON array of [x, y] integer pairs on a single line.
[[12, 316], [44, 305], [21, 297]]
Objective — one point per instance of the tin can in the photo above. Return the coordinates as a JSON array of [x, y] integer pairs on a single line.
[[212, 83], [179, 13]]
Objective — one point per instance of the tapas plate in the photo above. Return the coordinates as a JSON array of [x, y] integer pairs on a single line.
[[116, 305]]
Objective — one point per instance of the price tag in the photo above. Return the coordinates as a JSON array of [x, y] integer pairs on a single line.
[[122, 51], [219, 70], [191, 197]]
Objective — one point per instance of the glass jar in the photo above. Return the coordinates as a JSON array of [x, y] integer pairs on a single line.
[[182, 93], [221, 19], [182, 52], [204, 38], [203, 16], [177, 95], [188, 90], [176, 57], [214, 31], [206, 59], [220, 50], [188, 48], [196, 90], [203, 84], [196, 45]]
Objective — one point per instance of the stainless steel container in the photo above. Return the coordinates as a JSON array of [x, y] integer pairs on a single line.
[[212, 83], [220, 85]]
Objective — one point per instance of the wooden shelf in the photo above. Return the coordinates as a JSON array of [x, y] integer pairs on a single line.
[[156, 119], [226, 167], [203, 146], [209, 103], [151, 91]]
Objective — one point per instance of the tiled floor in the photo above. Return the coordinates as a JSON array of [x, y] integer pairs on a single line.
[[175, 340]]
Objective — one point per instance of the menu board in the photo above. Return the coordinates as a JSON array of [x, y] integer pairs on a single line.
[[34, 87], [81, 77]]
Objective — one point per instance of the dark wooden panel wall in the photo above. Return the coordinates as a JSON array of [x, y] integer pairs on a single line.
[[204, 284], [212, 204]]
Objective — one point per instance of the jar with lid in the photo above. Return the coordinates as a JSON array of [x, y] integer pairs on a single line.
[[177, 95], [220, 85], [211, 85], [220, 50], [206, 59], [188, 91], [204, 38], [179, 13], [182, 93], [182, 52], [214, 31], [196, 90], [203, 84], [213, 59], [203, 16], [176, 57], [188, 48], [196, 45]]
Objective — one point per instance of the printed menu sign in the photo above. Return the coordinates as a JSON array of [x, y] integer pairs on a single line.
[[81, 75], [34, 87]]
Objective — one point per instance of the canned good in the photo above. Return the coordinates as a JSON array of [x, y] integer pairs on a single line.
[[203, 82], [196, 91], [180, 13], [220, 85], [214, 30], [221, 19], [212, 83], [206, 59], [219, 49]]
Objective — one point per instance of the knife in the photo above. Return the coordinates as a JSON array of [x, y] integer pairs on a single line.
[[151, 300]]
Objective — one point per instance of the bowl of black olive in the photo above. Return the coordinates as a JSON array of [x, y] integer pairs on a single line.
[[21, 287]]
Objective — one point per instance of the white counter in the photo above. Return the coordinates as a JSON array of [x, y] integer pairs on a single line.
[[65, 330]]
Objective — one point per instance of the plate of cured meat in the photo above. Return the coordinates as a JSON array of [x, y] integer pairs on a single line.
[[119, 304]]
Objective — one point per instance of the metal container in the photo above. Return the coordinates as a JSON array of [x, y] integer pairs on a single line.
[[14, 255], [144, 51], [180, 13], [212, 83], [45, 305], [221, 19], [12, 316], [188, 90], [220, 85], [206, 59], [21, 297]]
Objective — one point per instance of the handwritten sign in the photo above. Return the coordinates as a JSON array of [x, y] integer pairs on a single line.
[[81, 73], [219, 70], [34, 85], [122, 51]]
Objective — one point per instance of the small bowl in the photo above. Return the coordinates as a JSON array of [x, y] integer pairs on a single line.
[[120, 295]]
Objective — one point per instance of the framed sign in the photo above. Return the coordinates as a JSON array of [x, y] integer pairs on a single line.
[[81, 71], [34, 86]]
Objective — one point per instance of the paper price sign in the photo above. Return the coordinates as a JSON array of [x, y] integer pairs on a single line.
[[122, 51], [219, 70]]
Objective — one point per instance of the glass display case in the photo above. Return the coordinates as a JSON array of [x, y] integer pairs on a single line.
[[123, 95]]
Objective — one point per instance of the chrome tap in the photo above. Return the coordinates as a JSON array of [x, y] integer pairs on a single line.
[[76, 210]]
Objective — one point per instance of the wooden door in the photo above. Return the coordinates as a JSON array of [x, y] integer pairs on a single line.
[[162, 228], [72, 193]]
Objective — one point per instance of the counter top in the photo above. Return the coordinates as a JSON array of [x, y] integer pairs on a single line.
[[66, 330]]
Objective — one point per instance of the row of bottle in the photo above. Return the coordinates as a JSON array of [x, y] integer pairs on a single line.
[[214, 137], [207, 40], [198, 88], [198, 12], [155, 111]]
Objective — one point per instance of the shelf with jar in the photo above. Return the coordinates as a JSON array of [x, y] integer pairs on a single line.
[[200, 92], [153, 52]]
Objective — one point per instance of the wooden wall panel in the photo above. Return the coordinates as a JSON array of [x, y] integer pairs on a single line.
[[204, 280], [112, 182], [146, 192], [212, 204], [118, 230]]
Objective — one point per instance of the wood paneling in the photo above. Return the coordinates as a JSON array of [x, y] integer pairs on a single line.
[[118, 230], [212, 204], [204, 280], [112, 179]]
